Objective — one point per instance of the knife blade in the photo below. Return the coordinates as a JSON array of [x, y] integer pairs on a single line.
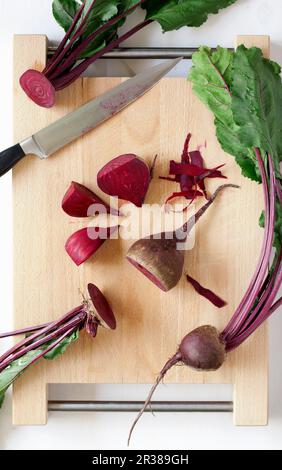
[[77, 123]]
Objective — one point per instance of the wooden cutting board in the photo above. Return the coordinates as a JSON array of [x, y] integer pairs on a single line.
[[150, 322]]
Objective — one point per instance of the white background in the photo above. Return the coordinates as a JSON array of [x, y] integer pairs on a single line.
[[105, 431]]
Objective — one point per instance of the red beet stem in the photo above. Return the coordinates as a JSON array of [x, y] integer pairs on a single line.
[[169, 364], [73, 57], [54, 61], [45, 330], [189, 225], [207, 293], [65, 80], [258, 278], [62, 51], [24, 330], [74, 323], [52, 346]]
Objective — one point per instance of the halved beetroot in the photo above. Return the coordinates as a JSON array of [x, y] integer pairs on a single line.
[[126, 177], [102, 306], [38, 88]]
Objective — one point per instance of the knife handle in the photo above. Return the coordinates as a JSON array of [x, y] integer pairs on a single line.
[[9, 158]]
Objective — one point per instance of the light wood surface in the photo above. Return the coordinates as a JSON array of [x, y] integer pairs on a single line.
[[150, 323]]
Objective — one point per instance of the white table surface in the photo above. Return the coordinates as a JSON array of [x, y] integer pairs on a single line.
[[109, 430]]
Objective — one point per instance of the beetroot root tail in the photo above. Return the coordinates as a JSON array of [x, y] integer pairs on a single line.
[[169, 364]]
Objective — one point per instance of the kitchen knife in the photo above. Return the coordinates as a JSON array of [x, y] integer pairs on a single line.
[[47, 141]]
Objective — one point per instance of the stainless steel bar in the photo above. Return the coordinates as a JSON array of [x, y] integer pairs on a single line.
[[144, 52], [134, 406]]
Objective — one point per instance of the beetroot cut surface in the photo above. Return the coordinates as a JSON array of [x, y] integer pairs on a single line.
[[102, 306], [38, 88], [126, 177], [80, 247], [78, 200]]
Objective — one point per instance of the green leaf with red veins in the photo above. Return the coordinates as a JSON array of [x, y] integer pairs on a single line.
[[257, 102], [211, 77], [64, 12]]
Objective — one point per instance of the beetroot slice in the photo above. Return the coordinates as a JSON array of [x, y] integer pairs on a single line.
[[207, 293], [102, 306], [78, 199], [126, 177], [38, 88], [80, 246]]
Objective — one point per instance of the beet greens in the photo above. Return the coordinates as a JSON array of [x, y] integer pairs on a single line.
[[244, 91], [52, 339], [92, 28]]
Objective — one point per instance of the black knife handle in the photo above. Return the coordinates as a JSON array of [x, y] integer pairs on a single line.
[[9, 158]]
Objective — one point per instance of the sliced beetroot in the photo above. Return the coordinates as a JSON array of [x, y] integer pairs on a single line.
[[38, 88], [126, 177], [207, 293], [80, 246], [78, 199], [102, 306]]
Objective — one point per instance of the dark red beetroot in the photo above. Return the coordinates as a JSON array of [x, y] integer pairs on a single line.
[[157, 256], [38, 88], [202, 349], [78, 200], [126, 177], [85, 242], [102, 306]]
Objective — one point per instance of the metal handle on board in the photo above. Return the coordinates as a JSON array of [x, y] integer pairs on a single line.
[[144, 52], [135, 406]]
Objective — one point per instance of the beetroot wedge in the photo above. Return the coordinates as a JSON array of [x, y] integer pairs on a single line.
[[126, 177], [81, 245], [78, 200]]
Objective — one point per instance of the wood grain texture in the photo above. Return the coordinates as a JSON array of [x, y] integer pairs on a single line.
[[150, 323]]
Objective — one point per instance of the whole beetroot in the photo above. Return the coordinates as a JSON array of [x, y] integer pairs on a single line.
[[202, 349]]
